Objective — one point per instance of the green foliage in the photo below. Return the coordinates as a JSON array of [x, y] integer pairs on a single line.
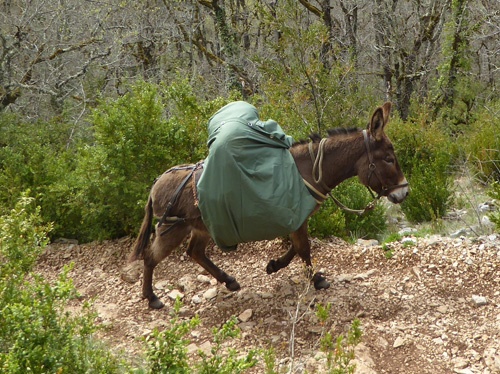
[[494, 192], [34, 156], [340, 351], [331, 220], [37, 335], [480, 143], [167, 350], [425, 154], [230, 362], [133, 144]]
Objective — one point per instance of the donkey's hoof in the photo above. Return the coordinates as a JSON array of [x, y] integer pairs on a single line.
[[155, 303], [272, 267], [320, 282], [232, 284]]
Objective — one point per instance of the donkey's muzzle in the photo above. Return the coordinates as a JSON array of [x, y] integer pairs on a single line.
[[399, 193]]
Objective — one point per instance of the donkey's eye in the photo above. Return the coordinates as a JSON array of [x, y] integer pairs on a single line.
[[389, 159]]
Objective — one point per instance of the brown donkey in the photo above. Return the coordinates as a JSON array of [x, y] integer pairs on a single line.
[[322, 163]]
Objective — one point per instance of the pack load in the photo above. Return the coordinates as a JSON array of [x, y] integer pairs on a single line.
[[250, 188]]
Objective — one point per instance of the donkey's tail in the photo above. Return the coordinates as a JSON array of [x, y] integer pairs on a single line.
[[142, 240]]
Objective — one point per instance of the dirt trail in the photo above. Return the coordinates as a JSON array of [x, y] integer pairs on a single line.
[[434, 307]]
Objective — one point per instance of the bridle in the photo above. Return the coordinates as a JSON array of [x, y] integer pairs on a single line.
[[373, 170], [317, 174]]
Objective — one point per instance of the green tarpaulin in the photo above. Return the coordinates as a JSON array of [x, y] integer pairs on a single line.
[[250, 189]]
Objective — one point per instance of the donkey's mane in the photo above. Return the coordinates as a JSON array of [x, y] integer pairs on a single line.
[[339, 131]]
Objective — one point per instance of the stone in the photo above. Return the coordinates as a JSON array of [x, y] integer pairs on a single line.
[[491, 357], [463, 371], [196, 299], [460, 363], [443, 309], [131, 272], [162, 285], [203, 278], [479, 300], [206, 347], [174, 294], [246, 315], [367, 243], [399, 342], [246, 326], [409, 241], [192, 348], [210, 293], [406, 230]]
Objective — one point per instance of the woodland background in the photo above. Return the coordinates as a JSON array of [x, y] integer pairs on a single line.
[[97, 98]]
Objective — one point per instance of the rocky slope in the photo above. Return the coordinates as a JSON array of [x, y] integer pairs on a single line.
[[426, 305]]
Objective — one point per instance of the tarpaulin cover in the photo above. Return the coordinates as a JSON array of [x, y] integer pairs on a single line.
[[250, 188]]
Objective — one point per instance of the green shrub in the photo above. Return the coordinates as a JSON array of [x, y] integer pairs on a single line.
[[133, 144], [37, 335], [494, 192], [34, 156], [331, 220], [340, 351], [425, 155], [167, 350], [226, 361], [480, 143]]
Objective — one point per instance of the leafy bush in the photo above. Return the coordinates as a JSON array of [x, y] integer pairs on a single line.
[[331, 220], [35, 157], [480, 143], [494, 192], [133, 144], [167, 350], [36, 334], [425, 154]]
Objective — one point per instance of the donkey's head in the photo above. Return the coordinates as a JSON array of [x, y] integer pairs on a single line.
[[379, 168]]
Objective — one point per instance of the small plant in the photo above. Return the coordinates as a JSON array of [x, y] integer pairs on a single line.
[[340, 351], [332, 221], [388, 251], [167, 350], [228, 363], [494, 192]]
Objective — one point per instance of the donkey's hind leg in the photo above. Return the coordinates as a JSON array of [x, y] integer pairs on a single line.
[[161, 247], [196, 250]]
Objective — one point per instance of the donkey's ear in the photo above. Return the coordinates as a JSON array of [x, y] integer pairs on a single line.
[[379, 119]]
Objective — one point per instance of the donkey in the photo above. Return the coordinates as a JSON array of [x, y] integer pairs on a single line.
[[322, 162]]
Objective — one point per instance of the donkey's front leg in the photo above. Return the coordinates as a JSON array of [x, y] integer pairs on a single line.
[[300, 242], [196, 250]]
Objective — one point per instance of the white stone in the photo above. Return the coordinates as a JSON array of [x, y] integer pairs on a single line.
[[479, 300], [203, 278], [174, 294], [162, 285], [210, 293], [399, 342]]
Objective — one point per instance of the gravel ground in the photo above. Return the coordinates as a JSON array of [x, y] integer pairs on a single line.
[[430, 305]]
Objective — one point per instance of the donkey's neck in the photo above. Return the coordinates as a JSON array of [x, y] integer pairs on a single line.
[[341, 154]]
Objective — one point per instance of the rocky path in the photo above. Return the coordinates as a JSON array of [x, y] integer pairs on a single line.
[[426, 305]]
